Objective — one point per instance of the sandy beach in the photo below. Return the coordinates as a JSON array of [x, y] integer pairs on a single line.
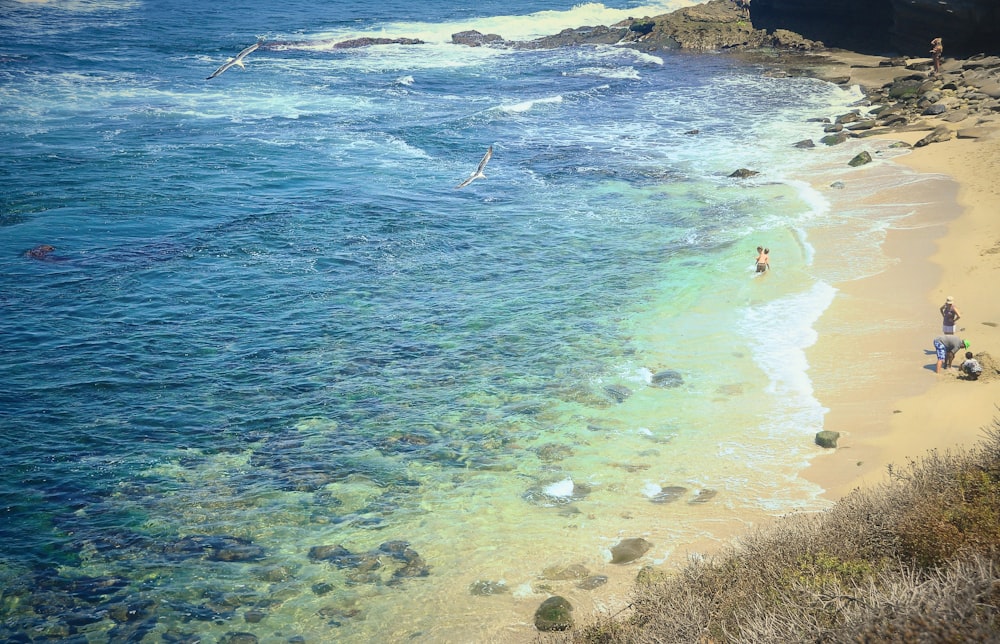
[[892, 407]]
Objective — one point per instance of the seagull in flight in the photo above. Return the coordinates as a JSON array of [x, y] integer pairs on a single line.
[[478, 174], [235, 61]]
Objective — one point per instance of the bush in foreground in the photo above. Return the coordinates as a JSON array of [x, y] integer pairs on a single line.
[[916, 559]]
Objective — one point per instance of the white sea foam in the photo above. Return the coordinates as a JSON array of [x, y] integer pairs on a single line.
[[561, 489], [524, 106], [779, 332], [522, 27]]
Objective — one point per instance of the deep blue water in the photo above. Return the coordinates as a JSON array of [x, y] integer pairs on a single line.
[[270, 319]]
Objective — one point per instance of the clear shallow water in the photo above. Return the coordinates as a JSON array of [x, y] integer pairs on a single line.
[[271, 323]]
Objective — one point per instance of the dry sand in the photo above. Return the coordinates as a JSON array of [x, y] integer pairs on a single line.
[[892, 407]]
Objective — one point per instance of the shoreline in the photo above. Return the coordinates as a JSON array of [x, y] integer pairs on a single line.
[[893, 408]]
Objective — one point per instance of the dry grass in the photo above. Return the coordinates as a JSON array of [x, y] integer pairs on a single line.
[[914, 560]]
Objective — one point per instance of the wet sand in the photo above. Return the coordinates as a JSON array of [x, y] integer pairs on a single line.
[[892, 407]]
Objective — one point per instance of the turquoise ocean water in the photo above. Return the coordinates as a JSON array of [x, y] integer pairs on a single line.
[[270, 323]]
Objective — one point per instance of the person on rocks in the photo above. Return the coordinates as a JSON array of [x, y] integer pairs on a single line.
[[949, 316], [971, 367], [937, 48], [946, 346]]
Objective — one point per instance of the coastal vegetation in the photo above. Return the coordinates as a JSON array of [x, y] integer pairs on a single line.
[[915, 559]]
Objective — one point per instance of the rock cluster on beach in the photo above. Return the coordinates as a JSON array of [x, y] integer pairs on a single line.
[[962, 100]]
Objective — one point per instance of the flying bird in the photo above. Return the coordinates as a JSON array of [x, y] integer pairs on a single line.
[[234, 61], [478, 174]]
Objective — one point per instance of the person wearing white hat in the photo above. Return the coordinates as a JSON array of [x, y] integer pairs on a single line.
[[949, 316]]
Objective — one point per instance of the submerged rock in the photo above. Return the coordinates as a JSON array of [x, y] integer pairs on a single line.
[[554, 614], [563, 573], [703, 496], [592, 582], [483, 588], [667, 378], [668, 494], [628, 550]]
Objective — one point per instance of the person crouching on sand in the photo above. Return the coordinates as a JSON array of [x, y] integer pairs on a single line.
[[971, 367], [946, 346]]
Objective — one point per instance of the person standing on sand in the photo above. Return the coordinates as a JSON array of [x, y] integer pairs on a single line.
[[946, 346], [949, 316], [937, 48]]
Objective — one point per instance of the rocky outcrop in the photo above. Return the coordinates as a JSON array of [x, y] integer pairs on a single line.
[[712, 26], [881, 27]]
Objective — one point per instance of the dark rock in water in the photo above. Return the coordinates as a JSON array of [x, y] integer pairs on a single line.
[[322, 588], [473, 38], [483, 588], [827, 438], [238, 638], [554, 614], [368, 42], [563, 573], [744, 173], [692, 132], [274, 574], [861, 158], [592, 582], [41, 251], [553, 452], [833, 128], [667, 378], [834, 139], [628, 550], [805, 144], [217, 548], [619, 393], [130, 611], [668, 494], [341, 557], [254, 616]]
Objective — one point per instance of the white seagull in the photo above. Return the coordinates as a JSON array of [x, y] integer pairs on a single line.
[[234, 61], [478, 174]]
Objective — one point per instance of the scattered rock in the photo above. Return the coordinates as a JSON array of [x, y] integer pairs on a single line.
[[859, 159], [938, 135], [827, 438]]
